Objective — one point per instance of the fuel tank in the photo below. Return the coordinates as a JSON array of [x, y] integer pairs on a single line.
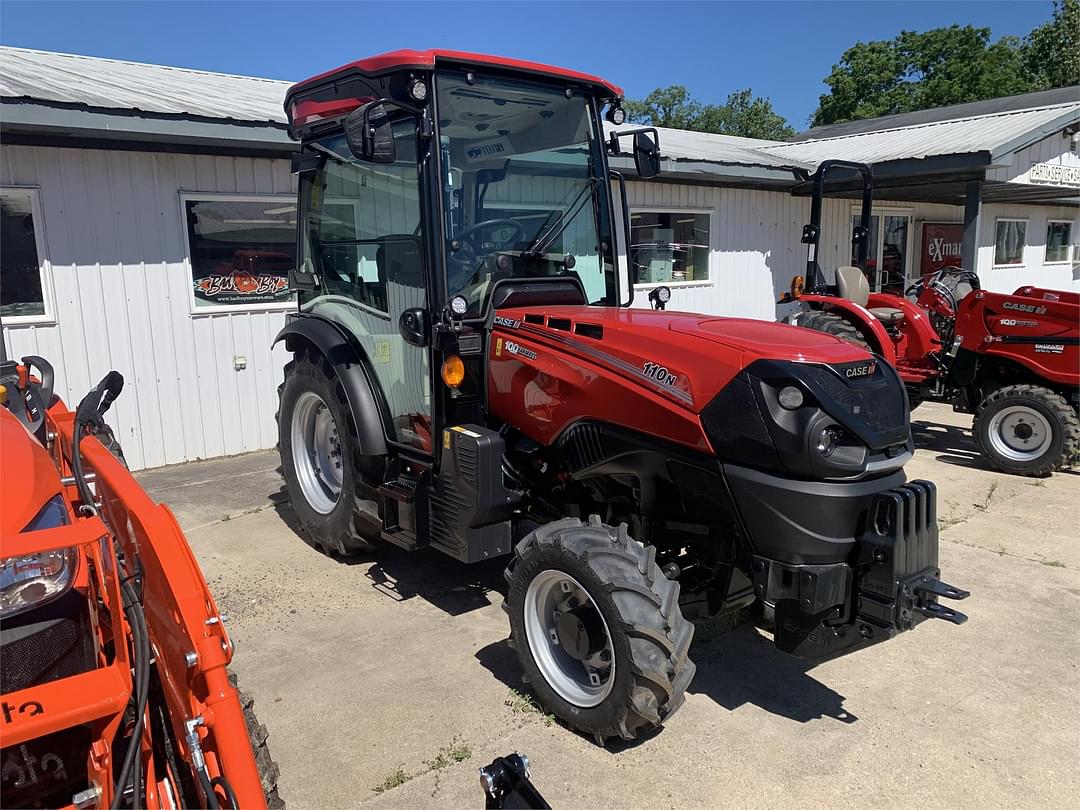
[[650, 371]]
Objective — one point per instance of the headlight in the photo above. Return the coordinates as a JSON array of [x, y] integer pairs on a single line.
[[790, 397], [828, 439], [33, 579]]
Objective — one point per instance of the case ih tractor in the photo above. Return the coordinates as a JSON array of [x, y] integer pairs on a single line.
[[467, 376], [113, 656], [1012, 360]]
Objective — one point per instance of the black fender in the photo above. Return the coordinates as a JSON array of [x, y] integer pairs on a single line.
[[350, 365]]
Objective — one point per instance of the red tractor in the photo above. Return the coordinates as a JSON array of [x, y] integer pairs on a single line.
[[467, 376], [1012, 360]]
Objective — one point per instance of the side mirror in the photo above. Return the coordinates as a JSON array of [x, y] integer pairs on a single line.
[[646, 156], [370, 134], [413, 326]]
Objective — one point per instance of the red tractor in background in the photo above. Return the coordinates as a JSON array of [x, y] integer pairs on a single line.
[[1012, 360]]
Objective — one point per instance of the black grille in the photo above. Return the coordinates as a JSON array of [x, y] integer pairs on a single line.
[[873, 406], [47, 644]]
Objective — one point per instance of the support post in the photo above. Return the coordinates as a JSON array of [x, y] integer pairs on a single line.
[[969, 252]]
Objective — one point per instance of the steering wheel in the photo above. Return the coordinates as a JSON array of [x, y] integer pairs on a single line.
[[470, 248]]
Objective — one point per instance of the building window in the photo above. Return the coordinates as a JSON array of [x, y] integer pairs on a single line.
[[240, 250], [1058, 241], [1009, 241], [23, 282], [669, 246]]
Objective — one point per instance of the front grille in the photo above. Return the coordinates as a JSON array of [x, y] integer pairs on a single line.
[[47, 644], [875, 403]]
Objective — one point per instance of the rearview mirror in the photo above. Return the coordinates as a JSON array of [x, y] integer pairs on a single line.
[[413, 326], [370, 134], [646, 156]]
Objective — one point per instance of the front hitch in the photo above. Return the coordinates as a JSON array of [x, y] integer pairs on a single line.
[[894, 583]]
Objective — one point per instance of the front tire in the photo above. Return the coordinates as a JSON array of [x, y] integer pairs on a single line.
[[598, 629], [1027, 430], [331, 484]]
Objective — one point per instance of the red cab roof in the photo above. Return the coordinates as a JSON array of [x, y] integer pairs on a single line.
[[396, 60]]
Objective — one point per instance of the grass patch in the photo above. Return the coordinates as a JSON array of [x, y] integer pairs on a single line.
[[396, 779], [521, 703], [457, 751], [1054, 563]]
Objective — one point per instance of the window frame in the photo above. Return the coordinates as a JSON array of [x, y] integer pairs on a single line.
[[48, 317], [662, 209], [1069, 246], [199, 196], [1023, 249]]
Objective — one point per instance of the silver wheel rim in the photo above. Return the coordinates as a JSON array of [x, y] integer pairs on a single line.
[[583, 683], [1020, 433], [316, 449]]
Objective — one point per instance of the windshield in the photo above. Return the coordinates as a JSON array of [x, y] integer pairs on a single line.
[[522, 188]]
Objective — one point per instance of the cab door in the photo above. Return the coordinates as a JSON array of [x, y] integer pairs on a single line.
[[363, 238]]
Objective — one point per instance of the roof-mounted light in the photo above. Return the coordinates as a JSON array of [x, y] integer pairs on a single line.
[[418, 91]]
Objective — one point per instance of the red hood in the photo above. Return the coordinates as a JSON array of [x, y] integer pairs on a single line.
[[699, 353]]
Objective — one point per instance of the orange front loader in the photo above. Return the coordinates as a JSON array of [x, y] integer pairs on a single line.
[[114, 660]]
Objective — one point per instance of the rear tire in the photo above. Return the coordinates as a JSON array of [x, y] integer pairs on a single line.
[[648, 637], [1027, 430], [347, 520], [834, 325]]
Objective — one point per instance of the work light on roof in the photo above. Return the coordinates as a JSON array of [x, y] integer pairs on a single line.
[[616, 115], [417, 90]]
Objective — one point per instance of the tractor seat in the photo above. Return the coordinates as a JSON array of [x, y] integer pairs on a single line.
[[889, 315], [852, 285]]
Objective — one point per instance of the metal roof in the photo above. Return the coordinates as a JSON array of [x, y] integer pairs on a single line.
[[996, 134], [679, 144], [110, 84], [951, 112]]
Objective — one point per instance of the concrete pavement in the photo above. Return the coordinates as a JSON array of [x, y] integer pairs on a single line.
[[366, 670]]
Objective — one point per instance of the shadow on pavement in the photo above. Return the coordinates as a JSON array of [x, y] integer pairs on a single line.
[[736, 668], [399, 575], [956, 444]]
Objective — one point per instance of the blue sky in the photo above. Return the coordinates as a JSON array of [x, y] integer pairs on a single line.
[[780, 49]]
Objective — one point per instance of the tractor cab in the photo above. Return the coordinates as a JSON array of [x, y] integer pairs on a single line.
[[430, 178]]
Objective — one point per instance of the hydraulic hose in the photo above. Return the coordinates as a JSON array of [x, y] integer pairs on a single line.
[[223, 783], [208, 789], [141, 661]]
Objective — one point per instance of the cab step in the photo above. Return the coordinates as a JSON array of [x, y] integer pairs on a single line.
[[399, 513]]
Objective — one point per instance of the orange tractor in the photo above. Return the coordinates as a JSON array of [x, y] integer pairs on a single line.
[[113, 655]]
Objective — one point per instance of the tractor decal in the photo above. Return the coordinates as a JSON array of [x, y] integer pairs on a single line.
[[519, 350]]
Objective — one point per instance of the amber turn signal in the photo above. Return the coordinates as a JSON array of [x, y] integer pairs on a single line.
[[453, 371], [798, 284]]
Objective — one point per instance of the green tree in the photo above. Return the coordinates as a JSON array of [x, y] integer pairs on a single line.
[[1051, 52], [744, 114], [918, 70]]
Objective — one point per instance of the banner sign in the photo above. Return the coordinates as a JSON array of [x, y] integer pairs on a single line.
[[942, 245]]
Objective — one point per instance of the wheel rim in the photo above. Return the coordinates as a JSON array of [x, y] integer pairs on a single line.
[[555, 602], [1019, 433], [316, 450]]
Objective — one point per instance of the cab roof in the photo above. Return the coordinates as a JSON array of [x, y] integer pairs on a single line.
[[426, 60]]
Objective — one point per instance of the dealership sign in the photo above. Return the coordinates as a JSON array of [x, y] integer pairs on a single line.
[[1055, 174], [942, 246]]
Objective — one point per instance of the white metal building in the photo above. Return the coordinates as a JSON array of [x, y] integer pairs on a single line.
[[148, 215]]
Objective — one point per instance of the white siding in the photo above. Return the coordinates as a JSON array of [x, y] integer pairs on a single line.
[[1055, 149], [114, 238], [1033, 270]]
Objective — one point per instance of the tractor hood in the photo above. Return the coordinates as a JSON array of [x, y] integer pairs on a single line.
[[686, 357]]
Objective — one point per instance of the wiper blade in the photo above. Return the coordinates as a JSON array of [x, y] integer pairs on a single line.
[[541, 242]]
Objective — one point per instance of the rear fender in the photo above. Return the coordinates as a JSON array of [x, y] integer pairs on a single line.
[[351, 367], [918, 338], [860, 318]]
